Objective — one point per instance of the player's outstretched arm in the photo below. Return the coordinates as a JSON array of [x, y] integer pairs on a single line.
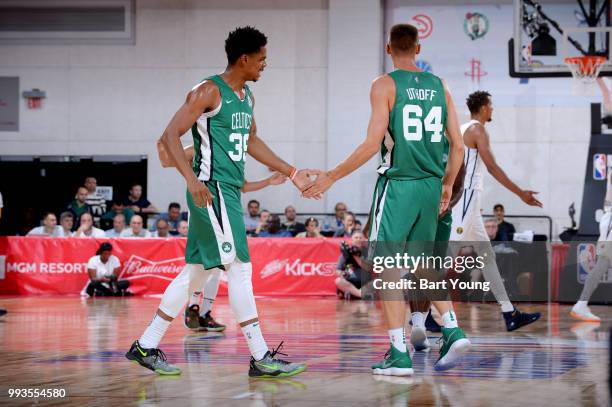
[[455, 151], [483, 145], [275, 179], [382, 95], [202, 98]]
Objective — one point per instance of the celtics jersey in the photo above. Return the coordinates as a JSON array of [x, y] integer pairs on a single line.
[[413, 147], [220, 137]]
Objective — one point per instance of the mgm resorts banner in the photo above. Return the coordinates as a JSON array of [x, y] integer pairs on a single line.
[[461, 271], [281, 266]]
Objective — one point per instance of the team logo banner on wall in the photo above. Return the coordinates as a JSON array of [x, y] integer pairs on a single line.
[[281, 266]]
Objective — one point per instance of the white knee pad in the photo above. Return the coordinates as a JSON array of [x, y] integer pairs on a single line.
[[179, 290], [240, 291]]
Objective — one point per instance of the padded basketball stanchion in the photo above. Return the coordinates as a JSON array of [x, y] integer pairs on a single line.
[[585, 70]]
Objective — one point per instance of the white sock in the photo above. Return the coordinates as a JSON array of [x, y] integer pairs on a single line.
[[506, 306], [398, 339], [194, 299], [418, 320], [449, 319], [255, 340], [154, 333], [206, 306], [582, 305]]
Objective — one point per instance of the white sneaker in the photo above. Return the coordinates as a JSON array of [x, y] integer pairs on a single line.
[[584, 314], [418, 339]]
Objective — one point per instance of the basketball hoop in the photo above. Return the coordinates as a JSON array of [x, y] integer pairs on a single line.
[[585, 70]]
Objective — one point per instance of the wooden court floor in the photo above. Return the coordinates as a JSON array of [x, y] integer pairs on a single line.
[[78, 345]]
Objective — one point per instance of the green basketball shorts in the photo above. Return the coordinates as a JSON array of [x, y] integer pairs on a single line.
[[217, 235]]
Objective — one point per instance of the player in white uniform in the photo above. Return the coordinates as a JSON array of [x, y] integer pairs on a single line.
[[580, 310], [468, 225]]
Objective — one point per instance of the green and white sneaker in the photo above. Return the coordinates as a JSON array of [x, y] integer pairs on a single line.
[[395, 363], [454, 346], [153, 359], [269, 366]]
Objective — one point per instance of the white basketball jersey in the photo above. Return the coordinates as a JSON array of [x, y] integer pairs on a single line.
[[473, 164]]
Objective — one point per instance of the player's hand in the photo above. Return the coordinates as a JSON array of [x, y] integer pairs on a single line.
[[321, 184], [447, 191], [277, 178], [199, 193], [304, 180], [529, 198]]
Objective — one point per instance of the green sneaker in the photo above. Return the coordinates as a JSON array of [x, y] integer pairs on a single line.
[[395, 363], [454, 346], [153, 359], [269, 366]]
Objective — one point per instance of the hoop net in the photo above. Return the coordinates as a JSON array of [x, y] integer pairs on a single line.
[[34, 102], [585, 70]]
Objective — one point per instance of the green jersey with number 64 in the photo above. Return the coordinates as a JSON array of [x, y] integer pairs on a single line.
[[413, 147], [220, 137]]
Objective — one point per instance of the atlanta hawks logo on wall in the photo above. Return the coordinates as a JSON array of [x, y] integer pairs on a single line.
[[424, 24], [476, 25]]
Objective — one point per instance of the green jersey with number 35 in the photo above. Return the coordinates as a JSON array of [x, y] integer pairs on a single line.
[[413, 147], [220, 137]]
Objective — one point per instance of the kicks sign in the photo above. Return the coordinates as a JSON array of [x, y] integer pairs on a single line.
[[297, 268]]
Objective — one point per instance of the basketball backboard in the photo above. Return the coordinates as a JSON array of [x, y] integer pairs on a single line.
[[548, 31]]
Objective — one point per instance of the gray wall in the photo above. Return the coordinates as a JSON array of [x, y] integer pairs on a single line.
[[312, 101]]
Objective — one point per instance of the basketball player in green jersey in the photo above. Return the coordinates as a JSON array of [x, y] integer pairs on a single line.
[[411, 111], [219, 112]]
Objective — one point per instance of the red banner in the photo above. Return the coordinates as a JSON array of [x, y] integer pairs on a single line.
[[281, 266]]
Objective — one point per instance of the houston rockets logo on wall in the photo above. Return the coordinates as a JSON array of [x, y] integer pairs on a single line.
[[475, 25], [476, 72], [424, 24]]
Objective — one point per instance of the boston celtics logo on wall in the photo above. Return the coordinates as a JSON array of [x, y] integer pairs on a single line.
[[476, 25], [226, 247]]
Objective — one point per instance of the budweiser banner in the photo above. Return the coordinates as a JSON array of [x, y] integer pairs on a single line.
[[281, 266]]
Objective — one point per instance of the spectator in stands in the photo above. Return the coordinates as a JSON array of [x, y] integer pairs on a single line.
[[136, 228], [312, 228], [79, 205], [251, 218], [162, 229], [183, 228], [491, 228], [67, 223], [103, 269], [118, 226], [505, 230], [173, 217], [337, 221], [263, 222], [291, 224], [96, 202], [350, 269], [274, 228], [138, 203], [117, 208], [348, 224], [358, 225], [49, 227], [87, 229]]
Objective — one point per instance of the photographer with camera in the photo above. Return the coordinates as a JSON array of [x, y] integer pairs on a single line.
[[350, 268], [103, 269]]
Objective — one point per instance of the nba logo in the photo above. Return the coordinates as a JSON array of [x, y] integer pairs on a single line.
[[599, 167], [585, 259]]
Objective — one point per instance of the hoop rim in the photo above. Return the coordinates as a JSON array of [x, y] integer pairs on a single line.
[[585, 58]]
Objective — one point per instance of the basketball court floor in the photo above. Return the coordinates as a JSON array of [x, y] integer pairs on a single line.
[[78, 345]]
